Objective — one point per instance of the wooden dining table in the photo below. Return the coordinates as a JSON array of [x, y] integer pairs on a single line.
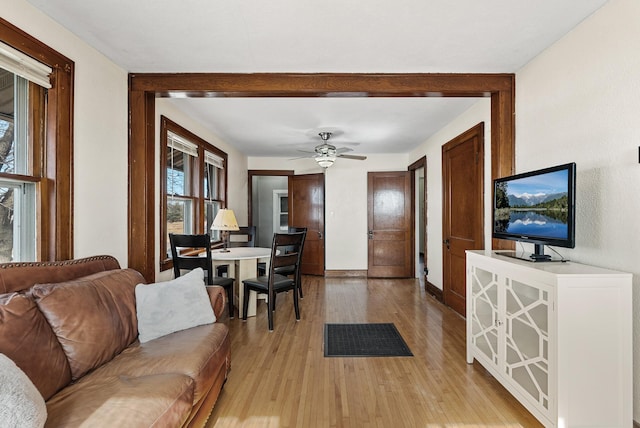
[[244, 266]]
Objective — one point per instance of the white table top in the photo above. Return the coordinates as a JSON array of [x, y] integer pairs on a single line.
[[239, 253]]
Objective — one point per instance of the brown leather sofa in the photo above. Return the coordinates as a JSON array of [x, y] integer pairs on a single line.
[[71, 326]]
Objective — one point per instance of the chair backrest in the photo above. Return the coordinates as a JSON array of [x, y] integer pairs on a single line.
[[244, 237], [294, 229], [194, 245], [286, 252]]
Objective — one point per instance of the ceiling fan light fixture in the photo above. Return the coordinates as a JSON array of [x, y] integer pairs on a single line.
[[325, 161]]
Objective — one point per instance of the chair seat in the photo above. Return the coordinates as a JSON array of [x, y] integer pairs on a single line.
[[222, 281], [261, 284]]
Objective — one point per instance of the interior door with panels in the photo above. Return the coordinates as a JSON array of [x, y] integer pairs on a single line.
[[463, 214], [390, 243], [306, 209]]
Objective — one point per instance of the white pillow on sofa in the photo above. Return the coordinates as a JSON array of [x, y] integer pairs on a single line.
[[21, 404], [179, 304]]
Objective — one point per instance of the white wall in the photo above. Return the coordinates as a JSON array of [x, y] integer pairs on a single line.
[[579, 101], [432, 149], [100, 135], [345, 202], [237, 186]]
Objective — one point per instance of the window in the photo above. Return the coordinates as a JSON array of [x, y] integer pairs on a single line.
[[194, 180], [180, 161], [36, 118], [19, 177], [214, 177]]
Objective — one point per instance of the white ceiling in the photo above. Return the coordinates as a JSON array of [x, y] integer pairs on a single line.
[[375, 36]]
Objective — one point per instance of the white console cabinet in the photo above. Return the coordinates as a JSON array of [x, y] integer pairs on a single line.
[[558, 336]]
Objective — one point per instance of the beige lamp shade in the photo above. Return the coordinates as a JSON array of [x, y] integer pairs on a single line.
[[225, 220]]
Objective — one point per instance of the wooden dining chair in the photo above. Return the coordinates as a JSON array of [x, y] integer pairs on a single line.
[[245, 236], [195, 245], [288, 270], [274, 283]]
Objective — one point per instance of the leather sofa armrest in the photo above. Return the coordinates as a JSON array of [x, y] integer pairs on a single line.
[[218, 299]]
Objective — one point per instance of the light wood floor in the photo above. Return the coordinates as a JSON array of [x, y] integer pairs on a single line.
[[282, 379]]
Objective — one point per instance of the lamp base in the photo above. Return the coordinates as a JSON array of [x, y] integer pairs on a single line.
[[224, 250]]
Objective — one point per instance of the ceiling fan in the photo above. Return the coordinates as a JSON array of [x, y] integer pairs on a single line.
[[326, 154]]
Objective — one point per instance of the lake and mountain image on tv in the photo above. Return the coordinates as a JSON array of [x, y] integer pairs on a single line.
[[533, 206]]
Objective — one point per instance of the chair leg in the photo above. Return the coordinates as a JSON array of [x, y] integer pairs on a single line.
[[245, 303], [271, 305], [296, 305], [298, 280], [230, 298]]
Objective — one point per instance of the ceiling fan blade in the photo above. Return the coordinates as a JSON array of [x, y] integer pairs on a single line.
[[343, 150], [357, 157], [307, 154], [303, 157]]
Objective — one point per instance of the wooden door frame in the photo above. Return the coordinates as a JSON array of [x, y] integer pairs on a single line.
[[422, 163], [264, 173], [144, 88]]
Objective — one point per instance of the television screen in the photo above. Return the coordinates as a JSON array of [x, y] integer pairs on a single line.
[[536, 207]]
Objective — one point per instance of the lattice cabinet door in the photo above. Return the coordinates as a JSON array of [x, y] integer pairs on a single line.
[[485, 321], [528, 319]]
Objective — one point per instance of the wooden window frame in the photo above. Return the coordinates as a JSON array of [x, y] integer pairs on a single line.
[[53, 145], [197, 191]]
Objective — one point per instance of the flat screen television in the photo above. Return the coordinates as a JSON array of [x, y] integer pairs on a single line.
[[537, 207]]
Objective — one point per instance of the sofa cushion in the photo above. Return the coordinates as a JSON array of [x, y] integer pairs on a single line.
[[169, 306], [28, 340], [21, 405], [163, 400], [94, 317], [199, 353]]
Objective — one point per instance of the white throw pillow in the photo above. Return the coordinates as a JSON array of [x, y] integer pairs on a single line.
[[21, 404], [179, 304]]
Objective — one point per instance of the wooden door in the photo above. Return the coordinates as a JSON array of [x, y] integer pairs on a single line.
[[390, 244], [306, 209], [462, 229]]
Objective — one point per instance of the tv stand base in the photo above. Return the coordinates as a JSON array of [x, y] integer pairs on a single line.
[[534, 258]]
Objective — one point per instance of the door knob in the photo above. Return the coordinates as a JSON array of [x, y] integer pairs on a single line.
[[370, 233], [446, 242]]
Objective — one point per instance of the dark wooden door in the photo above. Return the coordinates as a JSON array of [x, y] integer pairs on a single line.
[[306, 209], [390, 245], [462, 177]]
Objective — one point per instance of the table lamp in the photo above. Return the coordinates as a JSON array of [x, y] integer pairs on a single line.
[[225, 221]]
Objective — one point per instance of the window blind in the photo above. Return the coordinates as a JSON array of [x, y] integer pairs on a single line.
[[24, 66], [214, 160], [176, 142]]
